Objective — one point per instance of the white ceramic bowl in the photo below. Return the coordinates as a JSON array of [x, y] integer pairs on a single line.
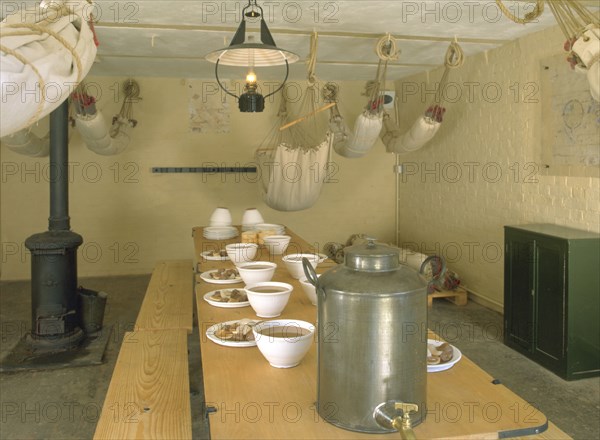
[[220, 217], [277, 244], [309, 289], [252, 217], [268, 299], [293, 263], [241, 252], [256, 271], [290, 344]]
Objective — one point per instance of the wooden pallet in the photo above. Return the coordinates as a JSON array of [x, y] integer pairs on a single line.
[[458, 296]]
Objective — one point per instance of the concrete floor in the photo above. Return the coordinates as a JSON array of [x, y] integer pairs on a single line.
[[65, 404]]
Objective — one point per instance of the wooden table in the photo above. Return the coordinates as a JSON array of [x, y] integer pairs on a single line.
[[256, 401]]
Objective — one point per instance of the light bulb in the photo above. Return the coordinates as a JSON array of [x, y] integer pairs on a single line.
[[251, 77]]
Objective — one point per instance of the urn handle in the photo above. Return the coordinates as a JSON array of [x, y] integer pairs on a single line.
[[309, 271]]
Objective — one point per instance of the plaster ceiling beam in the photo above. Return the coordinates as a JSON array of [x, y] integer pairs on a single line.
[[331, 63], [231, 29]]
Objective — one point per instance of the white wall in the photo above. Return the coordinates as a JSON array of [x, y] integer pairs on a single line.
[[131, 218], [484, 169]]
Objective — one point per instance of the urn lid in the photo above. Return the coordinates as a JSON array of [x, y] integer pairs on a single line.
[[372, 257]]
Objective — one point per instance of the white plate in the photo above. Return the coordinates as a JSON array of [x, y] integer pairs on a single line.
[[210, 334], [446, 365], [220, 229], [279, 229], [206, 277], [219, 237], [220, 232], [208, 256], [225, 305]]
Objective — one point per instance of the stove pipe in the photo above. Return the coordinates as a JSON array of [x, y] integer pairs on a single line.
[[54, 299]]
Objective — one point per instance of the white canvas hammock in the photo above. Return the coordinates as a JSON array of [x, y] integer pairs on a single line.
[[293, 162], [427, 125], [26, 143], [292, 177], [422, 131], [369, 123], [582, 29], [42, 61], [92, 127], [293, 157]]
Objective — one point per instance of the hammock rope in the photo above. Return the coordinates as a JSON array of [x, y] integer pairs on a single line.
[[387, 50], [312, 59], [453, 59], [131, 90], [529, 17]]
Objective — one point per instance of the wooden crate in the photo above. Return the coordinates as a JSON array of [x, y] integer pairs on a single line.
[[458, 296]]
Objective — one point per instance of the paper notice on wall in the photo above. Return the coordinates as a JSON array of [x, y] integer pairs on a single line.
[[570, 116], [208, 109]]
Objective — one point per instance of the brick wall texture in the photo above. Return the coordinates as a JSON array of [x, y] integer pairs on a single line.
[[484, 168]]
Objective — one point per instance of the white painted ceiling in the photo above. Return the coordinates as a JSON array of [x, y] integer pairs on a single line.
[[170, 38]]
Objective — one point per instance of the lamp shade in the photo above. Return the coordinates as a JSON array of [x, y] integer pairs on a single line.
[[251, 54], [264, 55]]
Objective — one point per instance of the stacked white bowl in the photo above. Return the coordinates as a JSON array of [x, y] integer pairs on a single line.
[[220, 217], [251, 218]]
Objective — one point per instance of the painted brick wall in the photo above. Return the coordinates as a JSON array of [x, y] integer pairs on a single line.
[[484, 168]]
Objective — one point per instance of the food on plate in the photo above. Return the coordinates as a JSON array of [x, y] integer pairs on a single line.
[[263, 234], [439, 354], [249, 237], [229, 296], [222, 253], [224, 274], [238, 331]]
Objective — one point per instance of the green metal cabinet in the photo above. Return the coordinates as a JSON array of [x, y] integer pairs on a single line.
[[552, 297]]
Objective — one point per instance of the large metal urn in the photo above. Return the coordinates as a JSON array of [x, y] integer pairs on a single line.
[[372, 341]]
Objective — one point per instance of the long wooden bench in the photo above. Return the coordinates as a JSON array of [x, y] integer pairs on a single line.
[[149, 392], [169, 302]]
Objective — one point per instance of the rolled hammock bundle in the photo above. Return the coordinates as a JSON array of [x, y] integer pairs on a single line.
[[582, 29], [293, 157], [27, 143], [49, 56], [427, 125], [369, 123], [92, 127]]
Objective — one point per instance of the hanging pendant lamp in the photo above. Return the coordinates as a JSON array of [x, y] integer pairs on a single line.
[[251, 54]]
